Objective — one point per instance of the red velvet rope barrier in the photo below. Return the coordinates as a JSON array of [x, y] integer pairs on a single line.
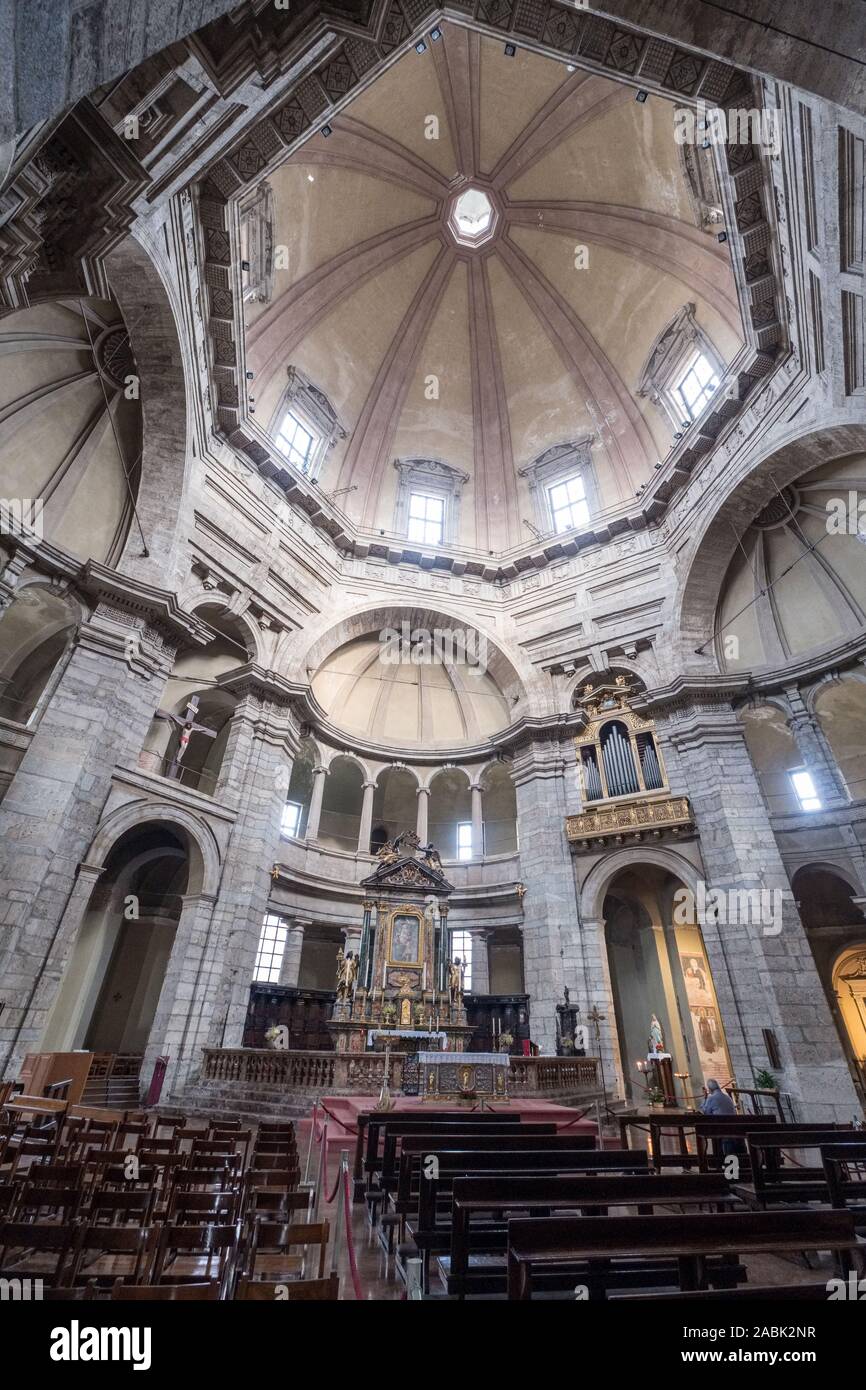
[[350, 1244]]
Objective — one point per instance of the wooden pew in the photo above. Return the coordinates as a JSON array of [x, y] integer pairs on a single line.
[[369, 1124], [420, 1201], [750, 1293], [492, 1197], [712, 1132], [847, 1188], [686, 1125], [775, 1181], [396, 1133], [561, 1247]]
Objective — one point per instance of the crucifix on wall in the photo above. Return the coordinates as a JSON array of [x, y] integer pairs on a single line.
[[188, 725]]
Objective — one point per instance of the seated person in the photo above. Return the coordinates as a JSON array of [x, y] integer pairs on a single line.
[[717, 1101]]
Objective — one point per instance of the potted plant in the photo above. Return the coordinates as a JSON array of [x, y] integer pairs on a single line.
[[505, 1041], [766, 1081], [656, 1097]]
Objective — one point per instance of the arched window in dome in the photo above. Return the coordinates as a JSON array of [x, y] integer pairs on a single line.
[[618, 754]]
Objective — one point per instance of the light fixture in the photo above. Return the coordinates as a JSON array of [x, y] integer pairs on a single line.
[[245, 265], [510, 50], [311, 178], [569, 67], [435, 34], [250, 376], [326, 131], [723, 236], [420, 46], [641, 95]]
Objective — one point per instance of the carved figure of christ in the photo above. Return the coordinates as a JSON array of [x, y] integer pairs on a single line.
[[188, 726]]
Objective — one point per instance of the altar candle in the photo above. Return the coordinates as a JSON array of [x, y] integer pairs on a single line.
[[424, 977]]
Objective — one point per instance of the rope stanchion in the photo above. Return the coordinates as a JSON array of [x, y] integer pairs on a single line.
[[310, 1144], [321, 1173], [350, 1243]]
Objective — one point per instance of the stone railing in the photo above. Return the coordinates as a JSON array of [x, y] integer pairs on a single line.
[[362, 1073], [327, 1072], [550, 1076]]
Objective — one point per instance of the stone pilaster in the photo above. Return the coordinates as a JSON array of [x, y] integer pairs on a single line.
[[97, 716], [764, 971], [263, 739], [546, 788]]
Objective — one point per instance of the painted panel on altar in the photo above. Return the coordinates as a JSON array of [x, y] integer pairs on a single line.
[[405, 943]]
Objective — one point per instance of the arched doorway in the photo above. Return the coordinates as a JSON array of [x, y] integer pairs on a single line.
[[659, 966], [836, 930], [112, 981]]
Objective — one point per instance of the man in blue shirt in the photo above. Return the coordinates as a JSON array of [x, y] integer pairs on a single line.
[[718, 1102]]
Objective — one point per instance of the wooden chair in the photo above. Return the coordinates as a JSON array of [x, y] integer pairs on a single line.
[[223, 1125], [294, 1291], [36, 1244], [273, 1130], [224, 1177], [271, 1244], [186, 1254], [99, 1250], [207, 1291], [273, 1203], [285, 1178], [203, 1208], [38, 1203], [123, 1207]]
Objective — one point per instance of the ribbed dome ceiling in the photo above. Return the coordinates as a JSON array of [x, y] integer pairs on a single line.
[[435, 704], [70, 435], [795, 586], [485, 356]]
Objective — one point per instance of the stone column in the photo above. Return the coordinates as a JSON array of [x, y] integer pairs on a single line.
[[263, 736], [291, 967], [423, 794], [546, 787], [97, 716], [477, 821], [814, 751], [315, 813], [366, 818], [764, 971], [480, 962]]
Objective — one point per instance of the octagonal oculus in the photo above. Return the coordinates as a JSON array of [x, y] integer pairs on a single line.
[[472, 219]]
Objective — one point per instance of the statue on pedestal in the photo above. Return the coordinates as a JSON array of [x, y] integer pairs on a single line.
[[347, 973], [656, 1037], [455, 982]]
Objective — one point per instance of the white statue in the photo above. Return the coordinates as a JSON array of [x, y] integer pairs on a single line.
[[656, 1039]]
